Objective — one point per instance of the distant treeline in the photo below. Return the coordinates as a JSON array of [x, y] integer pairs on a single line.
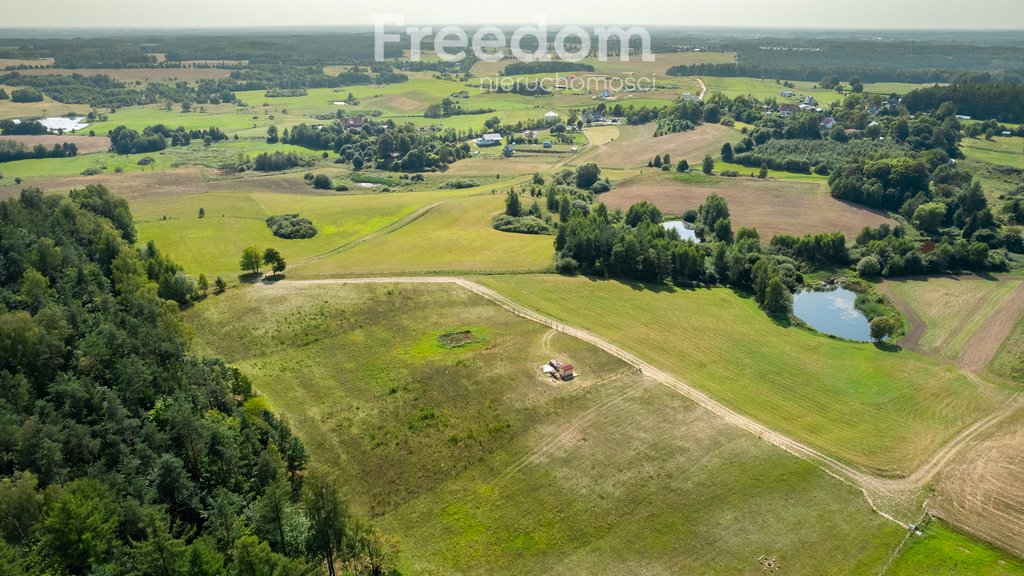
[[128, 52], [520, 68], [11, 151], [782, 70], [897, 59], [1003, 102], [104, 91]]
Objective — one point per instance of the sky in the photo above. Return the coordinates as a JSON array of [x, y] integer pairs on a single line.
[[993, 14]]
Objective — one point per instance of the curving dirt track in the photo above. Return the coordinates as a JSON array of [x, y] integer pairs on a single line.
[[873, 487]]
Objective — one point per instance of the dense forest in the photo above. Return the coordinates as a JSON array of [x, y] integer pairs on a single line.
[[1003, 102], [918, 60], [120, 452]]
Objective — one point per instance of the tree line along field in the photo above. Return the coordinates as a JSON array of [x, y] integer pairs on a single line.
[[880, 411], [473, 462]]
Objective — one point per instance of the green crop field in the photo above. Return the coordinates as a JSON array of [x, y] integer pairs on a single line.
[[941, 551], [472, 462], [454, 236], [878, 409], [1000, 150]]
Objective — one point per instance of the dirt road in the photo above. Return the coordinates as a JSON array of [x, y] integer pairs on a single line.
[[873, 487]]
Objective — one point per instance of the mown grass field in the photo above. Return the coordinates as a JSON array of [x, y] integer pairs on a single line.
[[740, 86], [473, 463], [942, 551], [235, 219], [214, 156], [952, 308], [882, 410], [1000, 150], [780, 206], [633, 146], [1009, 359], [455, 236]]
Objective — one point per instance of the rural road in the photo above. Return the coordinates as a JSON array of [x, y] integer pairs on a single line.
[[703, 87], [871, 486]]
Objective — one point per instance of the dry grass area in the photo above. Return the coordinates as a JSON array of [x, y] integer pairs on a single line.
[[48, 107], [634, 146], [86, 144], [771, 206], [138, 74], [982, 490]]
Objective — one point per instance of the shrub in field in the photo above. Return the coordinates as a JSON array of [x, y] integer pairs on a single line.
[[291, 226]]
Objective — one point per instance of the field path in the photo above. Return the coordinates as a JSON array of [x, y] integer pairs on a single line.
[[873, 487], [703, 87], [983, 344], [915, 324]]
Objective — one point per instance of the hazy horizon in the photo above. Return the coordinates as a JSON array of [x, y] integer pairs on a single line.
[[197, 14]]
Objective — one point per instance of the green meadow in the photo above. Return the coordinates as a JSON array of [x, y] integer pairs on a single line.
[[473, 462], [881, 410]]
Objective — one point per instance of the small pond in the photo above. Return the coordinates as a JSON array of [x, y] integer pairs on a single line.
[[64, 123], [681, 227], [832, 312]]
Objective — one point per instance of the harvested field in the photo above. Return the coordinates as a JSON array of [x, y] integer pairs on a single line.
[[636, 145], [962, 318], [771, 206], [86, 144], [980, 491]]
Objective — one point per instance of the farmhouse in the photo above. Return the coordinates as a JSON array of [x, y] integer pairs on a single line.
[[551, 116], [354, 124], [492, 139]]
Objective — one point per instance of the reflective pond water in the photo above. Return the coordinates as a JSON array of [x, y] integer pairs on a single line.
[[684, 232], [832, 312]]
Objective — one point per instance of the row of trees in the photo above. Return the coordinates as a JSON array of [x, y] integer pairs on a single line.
[[11, 150], [635, 246]]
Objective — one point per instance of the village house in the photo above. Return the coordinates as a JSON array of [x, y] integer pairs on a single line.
[[492, 139], [787, 93], [828, 123], [787, 109], [353, 124]]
